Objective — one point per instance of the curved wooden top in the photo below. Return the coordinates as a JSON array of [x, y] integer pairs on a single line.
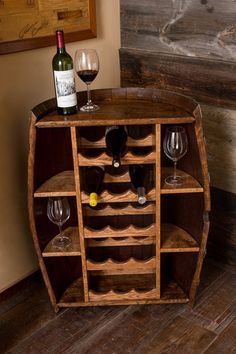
[[122, 106]]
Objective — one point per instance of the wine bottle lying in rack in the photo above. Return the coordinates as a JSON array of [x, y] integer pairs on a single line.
[[92, 183], [139, 175], [116, 138]]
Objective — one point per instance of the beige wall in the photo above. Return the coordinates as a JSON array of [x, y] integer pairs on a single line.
[[26, 80]]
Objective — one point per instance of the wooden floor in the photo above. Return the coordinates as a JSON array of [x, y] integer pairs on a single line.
[[29, 325]]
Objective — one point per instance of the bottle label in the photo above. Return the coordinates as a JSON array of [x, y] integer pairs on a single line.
[[65, 88]]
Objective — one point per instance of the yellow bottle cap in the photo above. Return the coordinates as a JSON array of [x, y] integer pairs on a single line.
[[93, 199]]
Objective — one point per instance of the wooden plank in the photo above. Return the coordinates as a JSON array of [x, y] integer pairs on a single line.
[[137, 266], [192, 28], [182, 74], [131, 230], [146, 141], [62, 184], [175, 239], [126, 241], [148, 208], [127, 196], [225, 342], [190, 185], [73, 250], [79, 211], [158, 209], [128, 158]]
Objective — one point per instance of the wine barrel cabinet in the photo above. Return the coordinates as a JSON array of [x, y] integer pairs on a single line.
[[121, 252]]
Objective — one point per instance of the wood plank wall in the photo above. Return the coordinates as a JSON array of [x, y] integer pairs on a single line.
[[189, 46]]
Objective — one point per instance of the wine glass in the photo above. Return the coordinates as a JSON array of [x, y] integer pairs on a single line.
[[58, 211], [87, 67], [175, 146]]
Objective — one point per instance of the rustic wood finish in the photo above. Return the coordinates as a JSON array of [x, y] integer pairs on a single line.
[[120, 253]]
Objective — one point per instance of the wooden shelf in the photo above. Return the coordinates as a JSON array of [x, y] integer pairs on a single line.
[[133, 266], [116, 290], [122, 241], [127, 196], [190, 184], [131, 230], [149, 140], [128, 159], [73, 294], [175, 239], [72, 250], [60, 185], [109, 210]]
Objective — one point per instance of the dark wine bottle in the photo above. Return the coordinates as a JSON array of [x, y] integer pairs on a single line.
[[139, 175], [116, 137], [64, 79], [93, 180]]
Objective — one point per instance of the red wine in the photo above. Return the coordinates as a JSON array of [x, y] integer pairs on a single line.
[[116, 137], [139, 175], [87, 76], [64, 78], [93, 180]]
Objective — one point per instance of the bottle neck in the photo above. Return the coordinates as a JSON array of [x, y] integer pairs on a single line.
[[60, 42]]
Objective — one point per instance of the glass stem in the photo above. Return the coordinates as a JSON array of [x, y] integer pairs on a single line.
[[89, 95], [60, 230], [175, 164]]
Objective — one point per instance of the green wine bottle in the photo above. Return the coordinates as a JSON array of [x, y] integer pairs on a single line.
[[64, 79]]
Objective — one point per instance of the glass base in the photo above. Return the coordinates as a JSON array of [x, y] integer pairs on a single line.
[[61, 242], [174, 181], [91, 107]]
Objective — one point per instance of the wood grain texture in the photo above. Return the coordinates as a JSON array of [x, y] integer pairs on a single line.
[[185, 46], [73, 250], [28, 325], [205, 80], [202, 29]]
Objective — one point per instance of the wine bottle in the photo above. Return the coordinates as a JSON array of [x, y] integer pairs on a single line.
[[139, 178], [64, 80], [93, 180], [116, 137]]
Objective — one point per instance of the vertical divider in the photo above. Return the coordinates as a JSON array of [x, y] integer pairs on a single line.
[[79, 211], [158, 208]]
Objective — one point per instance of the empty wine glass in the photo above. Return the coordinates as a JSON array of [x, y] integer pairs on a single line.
[[87, 67], [175, 146], [58, 211]]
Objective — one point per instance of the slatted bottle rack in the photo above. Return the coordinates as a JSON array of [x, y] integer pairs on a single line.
[[121, 253]]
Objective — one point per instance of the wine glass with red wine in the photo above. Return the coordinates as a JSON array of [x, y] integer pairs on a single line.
[[87, 67]]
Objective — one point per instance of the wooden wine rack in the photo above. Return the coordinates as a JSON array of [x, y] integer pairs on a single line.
[[121, 253]]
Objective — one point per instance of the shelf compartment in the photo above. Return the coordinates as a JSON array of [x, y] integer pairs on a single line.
[[125, 241], [171, 292], [73, 294], [175, 239], [127, 196], [144, 285], [147, 209], [122, 287], [73, 250], [149, 140], [127, 159], [131, 230], [190, 185], [111, 266], [59, 185]]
